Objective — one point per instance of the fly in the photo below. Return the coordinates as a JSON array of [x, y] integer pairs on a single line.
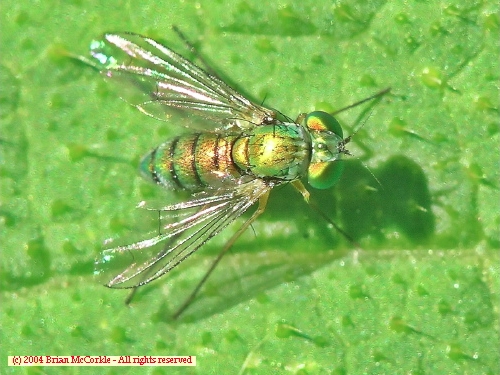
[[228, 161]]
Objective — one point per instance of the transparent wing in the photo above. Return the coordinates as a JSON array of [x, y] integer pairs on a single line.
[[194, 223], [159, 78]]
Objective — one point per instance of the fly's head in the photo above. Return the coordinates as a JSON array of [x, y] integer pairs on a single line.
[[328, 145]]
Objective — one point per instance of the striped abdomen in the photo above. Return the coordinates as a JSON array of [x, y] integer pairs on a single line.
[[196, 161]]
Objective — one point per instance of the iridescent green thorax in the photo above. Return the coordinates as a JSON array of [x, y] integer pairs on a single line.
[[274, 152]]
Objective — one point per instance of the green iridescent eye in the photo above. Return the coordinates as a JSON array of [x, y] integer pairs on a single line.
[[324, 170], [324, 175], [319, 120]]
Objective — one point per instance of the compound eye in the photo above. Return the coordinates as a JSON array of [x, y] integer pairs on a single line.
[[319, 120], [324, 175]]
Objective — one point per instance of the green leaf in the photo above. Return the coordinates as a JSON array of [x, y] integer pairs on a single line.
[[421, 195]]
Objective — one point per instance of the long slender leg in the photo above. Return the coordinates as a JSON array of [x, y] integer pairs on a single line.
[[299, 186], [131, 295], [262, 206], [193, 49], [375, 96]]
